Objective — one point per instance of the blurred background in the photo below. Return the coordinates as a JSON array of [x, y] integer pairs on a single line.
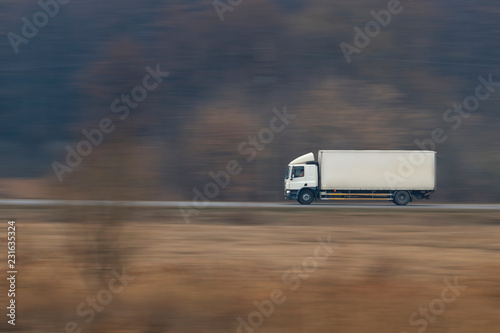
[[73, 67], [225, 79]]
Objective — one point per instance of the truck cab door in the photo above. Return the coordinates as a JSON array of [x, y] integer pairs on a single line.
[[304, 176]]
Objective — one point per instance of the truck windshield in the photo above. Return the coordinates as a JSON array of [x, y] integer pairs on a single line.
[[287, 175]]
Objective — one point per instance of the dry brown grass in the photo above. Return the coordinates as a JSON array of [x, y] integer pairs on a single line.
[[23, 188], [201, 277]]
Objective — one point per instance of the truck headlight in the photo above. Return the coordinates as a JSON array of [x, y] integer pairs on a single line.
[[287, 191]]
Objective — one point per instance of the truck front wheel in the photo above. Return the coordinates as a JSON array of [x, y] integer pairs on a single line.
[[306, 197], [401, 198]]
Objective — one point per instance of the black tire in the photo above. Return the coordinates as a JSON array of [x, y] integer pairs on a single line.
[[401, 198], [306, 197]]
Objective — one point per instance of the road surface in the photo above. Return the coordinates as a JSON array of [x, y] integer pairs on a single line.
[[288, 204]]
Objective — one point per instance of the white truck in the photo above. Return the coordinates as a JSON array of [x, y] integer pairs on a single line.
[[391, 175]]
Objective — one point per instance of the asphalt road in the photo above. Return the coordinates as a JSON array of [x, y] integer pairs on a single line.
[[287, 204]]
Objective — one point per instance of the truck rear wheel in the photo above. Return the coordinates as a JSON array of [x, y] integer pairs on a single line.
[[306, 197], [401, 198]]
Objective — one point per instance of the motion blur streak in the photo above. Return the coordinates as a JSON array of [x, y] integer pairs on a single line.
[[157, 113]]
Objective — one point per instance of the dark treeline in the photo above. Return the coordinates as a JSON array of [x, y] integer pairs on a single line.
[[226, 77]]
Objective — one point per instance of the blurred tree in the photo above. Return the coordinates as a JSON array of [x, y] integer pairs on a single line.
[[265, 54]]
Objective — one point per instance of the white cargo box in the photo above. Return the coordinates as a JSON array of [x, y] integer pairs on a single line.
[[377, 169]]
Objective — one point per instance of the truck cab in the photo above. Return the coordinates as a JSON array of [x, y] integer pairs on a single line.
[[301, 179]]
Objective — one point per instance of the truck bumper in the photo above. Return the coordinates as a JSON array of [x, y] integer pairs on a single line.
[[291, 195]]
